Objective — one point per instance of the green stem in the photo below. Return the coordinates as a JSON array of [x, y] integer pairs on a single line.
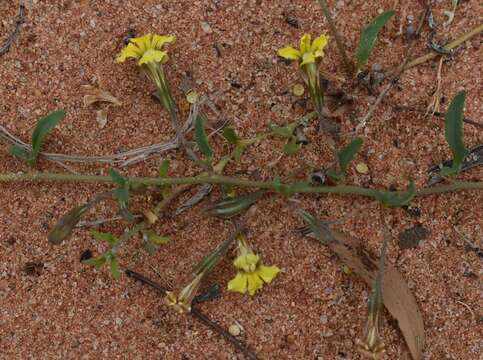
[[338, 38], [220, 179]]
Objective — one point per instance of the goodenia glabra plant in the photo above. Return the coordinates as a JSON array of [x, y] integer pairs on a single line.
[[250, 273]]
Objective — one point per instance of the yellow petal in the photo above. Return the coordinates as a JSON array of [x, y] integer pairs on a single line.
[[143, 42], [247, 262], [238, 283], [289, 53], [254, 283], [308, 58], [152, 56], [130, 51], [319, 44], [159, 40], [268, 273], [305, 44]]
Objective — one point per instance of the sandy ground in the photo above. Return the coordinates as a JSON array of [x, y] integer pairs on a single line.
[[313, 310]]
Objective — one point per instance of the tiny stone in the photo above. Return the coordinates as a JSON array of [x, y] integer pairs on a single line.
[[410, 17], [234, 330], [362, 168], [323, 319], [298, 90], [206, 27], [376, 67], [192, 97]]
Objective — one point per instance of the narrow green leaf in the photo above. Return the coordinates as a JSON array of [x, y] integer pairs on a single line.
[[63, 228], [212, 259], [369, 36], [114, 267], [107, 237], [237, 153], [291, 147], [116, 177], [396, 198], [348, 153], [230, 135], [41, 130], [97, 262], [454, 132], [155, 238], [20, 153], [164, 168], [202, 139], [232, 207], [334, 175], [284, 132]]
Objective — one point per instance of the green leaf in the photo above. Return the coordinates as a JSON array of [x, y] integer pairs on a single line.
[[202, 139], [282, 188], [237, 153], [396, 198], [20, 153], [114, 266], [291, 147], [348, 153], [155, 238], [117, 178], [212, 259], [63, 228], [369, 36], [164, 168], [454, 132], [284, 132], [231, 207], [97, 262], [230, 135], [41, 130], [107, 237]]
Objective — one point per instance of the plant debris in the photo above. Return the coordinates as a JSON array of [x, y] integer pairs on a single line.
[[411, 238]]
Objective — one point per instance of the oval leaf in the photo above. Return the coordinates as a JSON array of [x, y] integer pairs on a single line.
[[202, 139], [369, 36], [454, 131], [346, 155], [41, 130]]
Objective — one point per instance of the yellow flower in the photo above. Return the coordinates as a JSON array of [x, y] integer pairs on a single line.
[[252, 273], [308, 53], [146, 49]]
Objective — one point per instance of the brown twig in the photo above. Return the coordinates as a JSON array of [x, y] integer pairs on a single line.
[[397, 74], [197, 314], [18, 25], [455, 43]]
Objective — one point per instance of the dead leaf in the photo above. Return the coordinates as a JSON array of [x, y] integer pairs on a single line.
[[101, 118], [397, 297], [94, 94]]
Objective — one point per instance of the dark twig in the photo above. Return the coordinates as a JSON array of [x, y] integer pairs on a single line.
[[18, 25], [196, 313]]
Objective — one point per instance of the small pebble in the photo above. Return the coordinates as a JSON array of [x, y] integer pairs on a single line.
[[192, 97], [234, 330], [298, 90], [362, 168], [206, 27], [376, 67]]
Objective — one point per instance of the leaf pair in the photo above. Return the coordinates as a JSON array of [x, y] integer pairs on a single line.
[[109, 257], [396, 198], [42, 128], [121, 194], [240, 144], [287, 132], [344, 157]]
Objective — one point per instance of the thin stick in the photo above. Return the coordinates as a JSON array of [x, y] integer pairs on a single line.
[[197, 314], [18, 25], [349, 66], [220, 179], [389, 86], [455, 43]]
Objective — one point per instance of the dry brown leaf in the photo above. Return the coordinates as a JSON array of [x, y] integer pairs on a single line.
[[94, 94], [397, 297], [101, 118]]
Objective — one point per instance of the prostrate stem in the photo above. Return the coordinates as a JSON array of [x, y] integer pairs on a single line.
[[220, 179]]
